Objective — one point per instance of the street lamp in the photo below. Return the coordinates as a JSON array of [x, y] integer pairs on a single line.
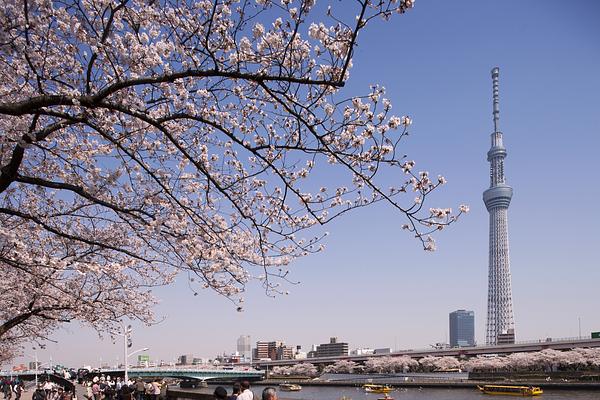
[[127, 362], [126, 333], [37, 365]]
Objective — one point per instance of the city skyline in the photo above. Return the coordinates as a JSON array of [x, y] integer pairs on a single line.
[[371, 269]]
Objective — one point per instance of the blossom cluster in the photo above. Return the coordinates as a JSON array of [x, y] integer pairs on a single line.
[[304, 369], [144, 139], [545, 360]]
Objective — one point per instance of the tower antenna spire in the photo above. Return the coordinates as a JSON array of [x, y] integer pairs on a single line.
[[500, 321], [496, 104]]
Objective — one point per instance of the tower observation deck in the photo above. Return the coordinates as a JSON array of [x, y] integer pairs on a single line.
[[500, 321]]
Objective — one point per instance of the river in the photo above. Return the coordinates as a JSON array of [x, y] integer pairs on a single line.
[[356, 393]]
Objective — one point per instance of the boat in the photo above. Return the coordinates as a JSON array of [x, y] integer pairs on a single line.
[[289, 387], [385, 397], [511, 390], [371, 388]]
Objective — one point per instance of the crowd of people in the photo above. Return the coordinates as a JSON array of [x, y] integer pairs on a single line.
[[241, 391], [46, 390], [12, 387], [106, 388], [51, 391]]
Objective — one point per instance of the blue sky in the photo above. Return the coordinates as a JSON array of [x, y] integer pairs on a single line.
[[374, 286]]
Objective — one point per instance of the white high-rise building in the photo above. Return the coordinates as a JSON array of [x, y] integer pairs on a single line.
[[500, 320], [244, 347]]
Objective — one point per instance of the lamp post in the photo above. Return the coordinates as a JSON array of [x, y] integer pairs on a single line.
[[127, 362], [126, 345], [37, 365], [37, 370]]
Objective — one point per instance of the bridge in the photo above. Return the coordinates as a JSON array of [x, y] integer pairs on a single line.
[[186, 373], [556, 344], [179, 373]]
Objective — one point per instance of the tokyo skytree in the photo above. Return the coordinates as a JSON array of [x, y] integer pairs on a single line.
[[500, 320]]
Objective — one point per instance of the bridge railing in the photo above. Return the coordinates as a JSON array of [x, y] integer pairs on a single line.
[[551, 340]]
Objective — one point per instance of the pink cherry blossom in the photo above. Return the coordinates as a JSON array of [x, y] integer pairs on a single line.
[[144, 140]]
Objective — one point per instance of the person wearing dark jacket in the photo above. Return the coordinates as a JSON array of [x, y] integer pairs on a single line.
[[39, 394], [220, 393]]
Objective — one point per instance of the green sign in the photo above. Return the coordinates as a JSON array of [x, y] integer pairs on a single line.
[[595, 335], [143, 358]]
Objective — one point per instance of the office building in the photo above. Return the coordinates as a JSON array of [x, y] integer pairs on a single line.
[[462, 328], [331, 349], [276, 350], [244, 347]]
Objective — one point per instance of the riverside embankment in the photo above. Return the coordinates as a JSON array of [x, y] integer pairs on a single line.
[[411, 391]]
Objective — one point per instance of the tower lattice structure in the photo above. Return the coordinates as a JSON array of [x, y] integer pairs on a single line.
[[500, 319]]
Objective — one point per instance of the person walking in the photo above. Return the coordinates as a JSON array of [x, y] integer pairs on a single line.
[[140, 389], [246, 393], [236, 391], [48, 386], [269, 393], [89, 394], [7, 389], [66, 395], [126, 391], [220, 393], [155, 390], [96, 392], [18, 389], [39, 394]]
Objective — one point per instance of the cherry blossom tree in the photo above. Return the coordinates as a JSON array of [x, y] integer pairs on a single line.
[[591, 357], [391, 364], [482, 363], [7, 352], [280, 370], [446, 363], [546, 360], [341, 367], [300, 369], [377, 364], [142, 139], [521, 361], [428, 363]]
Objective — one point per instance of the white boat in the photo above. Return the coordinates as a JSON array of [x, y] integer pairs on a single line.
[[289, 387]]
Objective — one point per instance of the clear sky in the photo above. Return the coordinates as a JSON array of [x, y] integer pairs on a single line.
[[374, 286]]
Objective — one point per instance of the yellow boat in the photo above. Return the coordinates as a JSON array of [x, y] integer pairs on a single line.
[[511, 390], [289, 387], [370, 388]]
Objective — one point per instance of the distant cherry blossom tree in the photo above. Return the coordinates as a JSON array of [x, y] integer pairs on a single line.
[[280, 370], [546, 360], [300, 369], [428, 363], [540, 361], [341, 367], [391, 364], [142, 139], [482, 363], [446, 363]]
